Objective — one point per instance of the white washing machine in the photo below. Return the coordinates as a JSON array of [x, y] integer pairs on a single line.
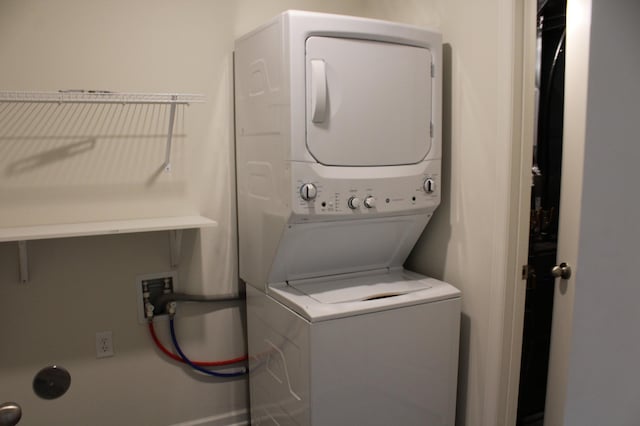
[[338, 147]]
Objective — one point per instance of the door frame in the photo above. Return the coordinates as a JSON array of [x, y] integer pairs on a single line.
[[523, 131]]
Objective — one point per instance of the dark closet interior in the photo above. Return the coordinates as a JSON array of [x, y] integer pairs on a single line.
[[545, 203]]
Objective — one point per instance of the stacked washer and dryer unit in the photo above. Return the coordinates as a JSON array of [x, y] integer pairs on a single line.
[[338, 145]]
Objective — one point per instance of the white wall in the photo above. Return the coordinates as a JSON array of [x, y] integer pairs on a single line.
[[603, 374], [81, 286], [466, 241]]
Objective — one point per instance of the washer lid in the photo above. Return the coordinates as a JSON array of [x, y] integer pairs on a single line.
[[321, 299], [368, 102], [358, 289]]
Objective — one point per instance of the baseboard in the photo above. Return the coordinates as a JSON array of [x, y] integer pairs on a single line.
[[232, 418]]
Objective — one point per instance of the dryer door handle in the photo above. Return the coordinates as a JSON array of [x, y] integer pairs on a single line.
[[318, 90]]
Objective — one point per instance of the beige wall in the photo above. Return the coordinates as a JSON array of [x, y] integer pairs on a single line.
[[466, 241], [84, 285]]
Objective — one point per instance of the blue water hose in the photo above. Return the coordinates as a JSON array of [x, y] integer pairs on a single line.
[[195, 367]]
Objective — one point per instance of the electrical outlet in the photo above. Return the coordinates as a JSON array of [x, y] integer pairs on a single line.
[[104, 344], [155, 285]]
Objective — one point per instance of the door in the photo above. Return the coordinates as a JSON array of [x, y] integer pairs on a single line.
[[595, 338], [575, 110], [368, 103]]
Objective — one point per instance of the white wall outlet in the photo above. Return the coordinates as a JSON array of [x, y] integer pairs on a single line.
[[104, 344]]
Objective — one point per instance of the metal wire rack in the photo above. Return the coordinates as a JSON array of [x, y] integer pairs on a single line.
[[100, 96], [82, 96]]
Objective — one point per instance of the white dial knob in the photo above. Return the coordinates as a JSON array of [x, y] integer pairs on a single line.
[[370, 202], [429, 185], [353, 203], [308, 191]]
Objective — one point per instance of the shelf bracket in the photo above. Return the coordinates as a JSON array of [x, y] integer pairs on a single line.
[[172, 117], [175, 246], [23, 261]]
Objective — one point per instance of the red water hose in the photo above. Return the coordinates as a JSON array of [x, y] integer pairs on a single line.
[[175, 357]]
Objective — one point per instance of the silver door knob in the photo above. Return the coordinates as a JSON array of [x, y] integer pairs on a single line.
[[10, 414], [561, 271]]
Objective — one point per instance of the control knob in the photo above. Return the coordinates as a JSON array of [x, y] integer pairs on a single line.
[[429, 185], [353, 203], [370, 202], [308, 191]]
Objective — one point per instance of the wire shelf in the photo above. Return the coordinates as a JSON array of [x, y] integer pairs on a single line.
[[109, 97], [100, 96]]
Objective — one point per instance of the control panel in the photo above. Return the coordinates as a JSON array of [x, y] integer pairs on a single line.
[[316, 196]]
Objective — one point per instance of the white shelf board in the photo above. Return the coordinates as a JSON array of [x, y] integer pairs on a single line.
[[41, 232]]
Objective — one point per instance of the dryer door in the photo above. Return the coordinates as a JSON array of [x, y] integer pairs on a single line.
[[368, 103]]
